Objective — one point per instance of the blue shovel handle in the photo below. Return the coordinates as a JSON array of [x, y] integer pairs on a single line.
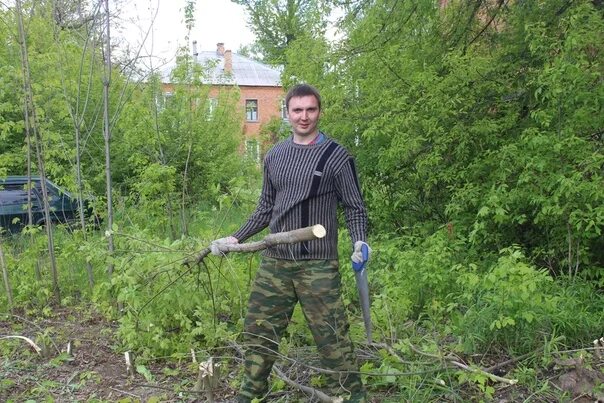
[[357, 267]]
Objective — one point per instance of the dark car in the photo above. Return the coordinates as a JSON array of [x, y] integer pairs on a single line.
[[13, 203]]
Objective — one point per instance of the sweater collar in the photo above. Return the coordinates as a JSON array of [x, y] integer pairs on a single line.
[[319, 141]]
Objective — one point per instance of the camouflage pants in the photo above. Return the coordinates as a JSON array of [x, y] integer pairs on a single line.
[[278, 286]]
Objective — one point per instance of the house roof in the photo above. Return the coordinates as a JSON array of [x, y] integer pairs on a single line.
[[244, 72]]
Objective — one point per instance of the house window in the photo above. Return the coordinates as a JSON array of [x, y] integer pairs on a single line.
[[283, 110], [251, 110], [211, 106], [164, 100], [252, 150], [161, 100]]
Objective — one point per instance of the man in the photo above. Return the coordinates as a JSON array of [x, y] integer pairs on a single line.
[[305, 177]]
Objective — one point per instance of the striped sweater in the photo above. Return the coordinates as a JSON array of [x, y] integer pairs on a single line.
[[302, 186]]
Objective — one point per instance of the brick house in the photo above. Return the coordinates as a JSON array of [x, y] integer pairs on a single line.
[[261, 92]]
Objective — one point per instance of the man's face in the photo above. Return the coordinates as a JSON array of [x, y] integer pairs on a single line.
[[303, 114]]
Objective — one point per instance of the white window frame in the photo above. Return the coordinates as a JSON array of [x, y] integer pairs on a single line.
[[283, 110], [252, 150], [212, 106], [251, 115]]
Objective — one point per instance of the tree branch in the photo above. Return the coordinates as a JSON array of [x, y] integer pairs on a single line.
[[501, 4]]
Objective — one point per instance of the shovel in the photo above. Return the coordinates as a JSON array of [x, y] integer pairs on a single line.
[[363, 286]]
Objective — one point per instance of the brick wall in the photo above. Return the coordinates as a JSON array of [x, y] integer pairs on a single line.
[[269, 105]]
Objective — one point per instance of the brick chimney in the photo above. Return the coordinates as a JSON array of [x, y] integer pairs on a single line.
[[220, 49], [228, 62]]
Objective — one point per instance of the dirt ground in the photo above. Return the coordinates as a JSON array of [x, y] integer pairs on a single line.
[[93, 372], [95, 368]]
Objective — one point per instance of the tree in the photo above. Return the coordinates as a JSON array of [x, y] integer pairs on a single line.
[[178, 146], [278, 23], [483, 118], [107, 135], [31, 124]]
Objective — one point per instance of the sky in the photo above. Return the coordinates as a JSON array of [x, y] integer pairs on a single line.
[[215, 21]]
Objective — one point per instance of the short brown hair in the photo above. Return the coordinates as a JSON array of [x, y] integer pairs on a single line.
[[302, 90]]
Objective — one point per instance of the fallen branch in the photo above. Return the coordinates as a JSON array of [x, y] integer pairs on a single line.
[[481, 371], [306, 389], [331, 371], [42, 330], [505, 363], [453, 360], [289, 237], [393, 353], [125, 392], [28, 340]]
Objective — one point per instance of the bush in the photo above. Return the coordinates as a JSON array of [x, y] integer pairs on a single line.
[[510, 306]]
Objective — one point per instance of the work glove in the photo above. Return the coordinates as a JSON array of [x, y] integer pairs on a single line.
[[215, 245], [357, 254]]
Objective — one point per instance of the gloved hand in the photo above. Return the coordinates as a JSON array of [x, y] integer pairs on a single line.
[[357, 254], [215, 245]]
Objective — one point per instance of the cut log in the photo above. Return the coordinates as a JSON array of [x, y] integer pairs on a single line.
[[279, 238], [289, 237]]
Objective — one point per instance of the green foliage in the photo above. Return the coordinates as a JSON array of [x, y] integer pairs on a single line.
[[168, 308], [279, 23], [155, 194], [486, 118], [26, 256], [306, 58], [577, 322], [509, 306], [272, 132], [144, 371], [65, 67], [179, 149], [413, 281]]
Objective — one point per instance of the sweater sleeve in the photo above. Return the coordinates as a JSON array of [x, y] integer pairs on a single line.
[[261, 217], [349, 195]]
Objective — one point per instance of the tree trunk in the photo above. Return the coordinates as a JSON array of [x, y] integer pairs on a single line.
[[81, 197], [78, 120], [30, 214], [107, 137], [28, 93], [163, 161], [183, 203], [7, 286]]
